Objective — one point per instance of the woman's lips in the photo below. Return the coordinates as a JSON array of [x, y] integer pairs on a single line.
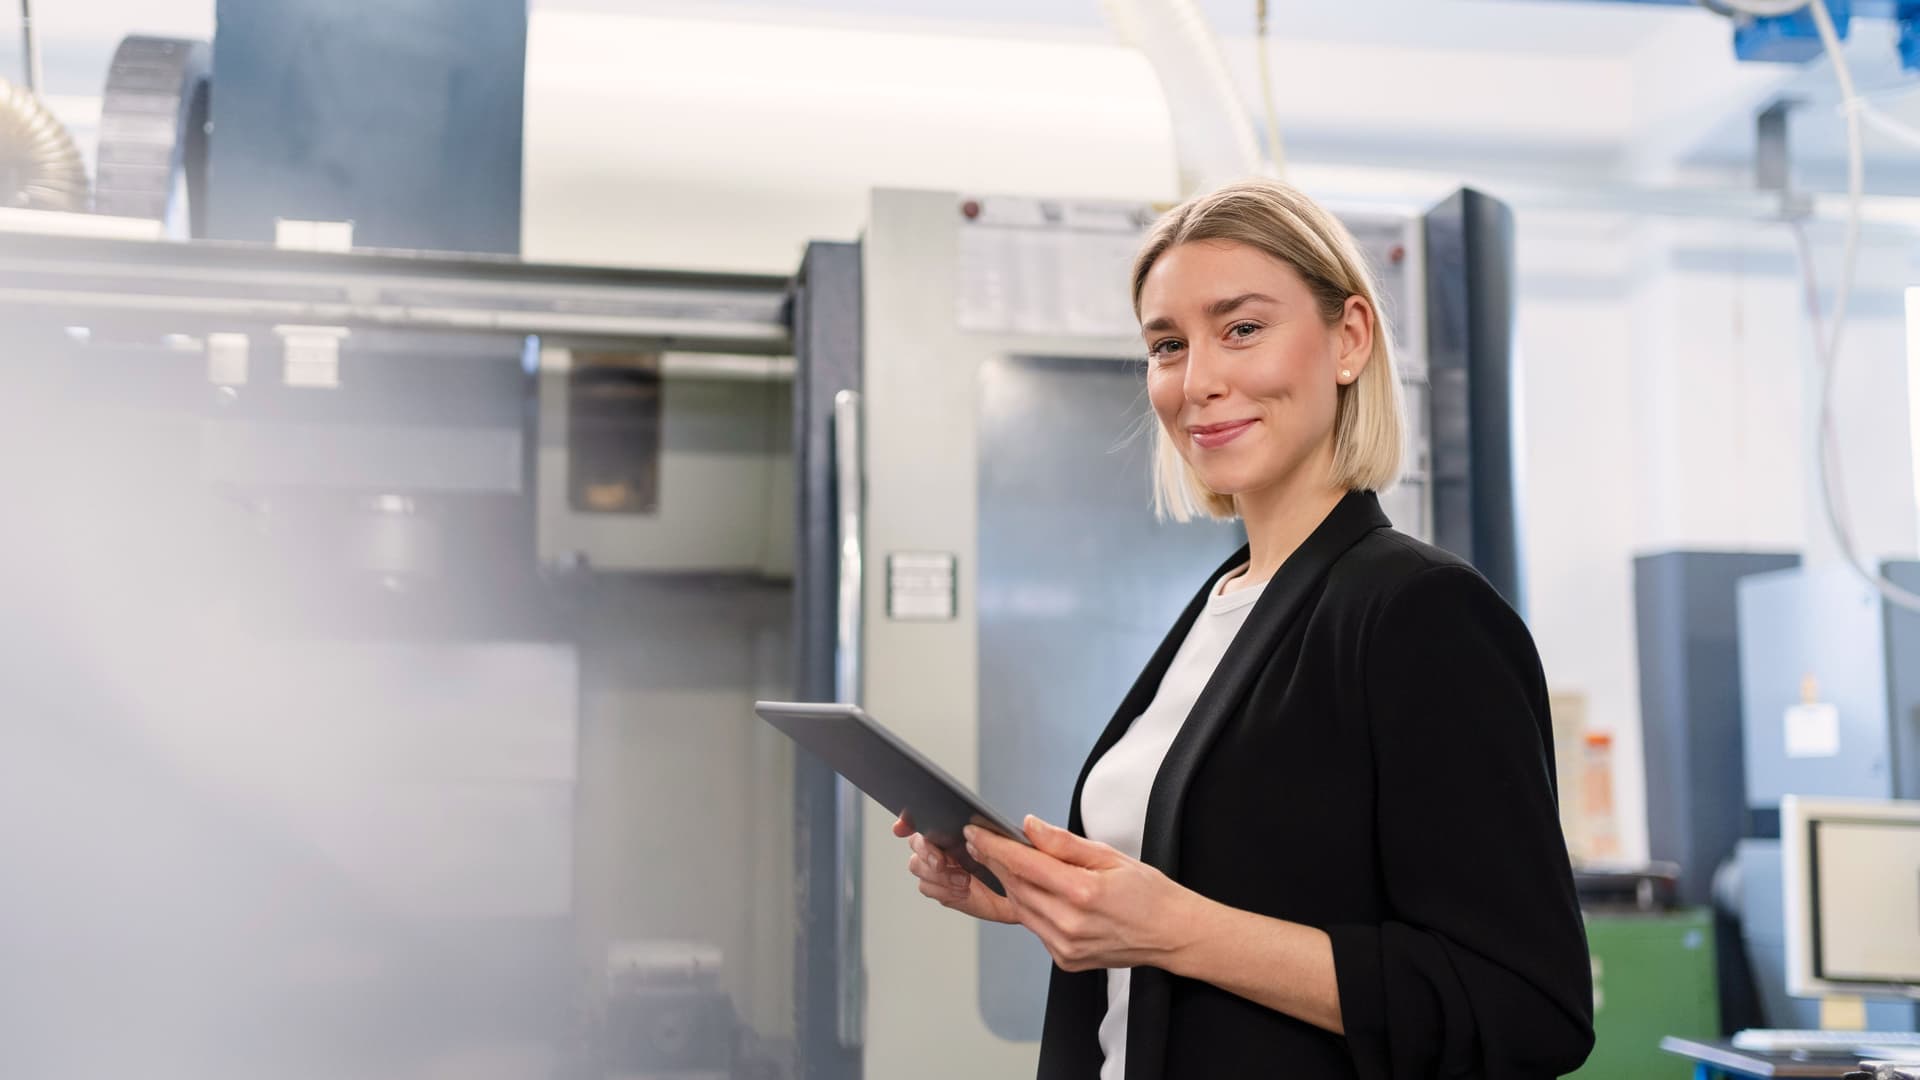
[[1212, 436]]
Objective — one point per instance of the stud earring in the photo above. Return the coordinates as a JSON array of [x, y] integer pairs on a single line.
[[1345, 374]]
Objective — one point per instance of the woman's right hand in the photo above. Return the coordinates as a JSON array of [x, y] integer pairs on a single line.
[[944, 880]]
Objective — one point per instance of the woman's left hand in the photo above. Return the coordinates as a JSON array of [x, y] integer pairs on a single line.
[[1090, 905]]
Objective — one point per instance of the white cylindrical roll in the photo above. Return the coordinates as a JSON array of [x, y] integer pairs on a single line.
[[722, 145]]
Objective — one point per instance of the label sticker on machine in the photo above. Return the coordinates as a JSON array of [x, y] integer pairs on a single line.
[[1813, 730], [1046, 266], [920, 585]]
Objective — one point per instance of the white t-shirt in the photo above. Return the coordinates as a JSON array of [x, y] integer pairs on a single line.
[[1113, 803]]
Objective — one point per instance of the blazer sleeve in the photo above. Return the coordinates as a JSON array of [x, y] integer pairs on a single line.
[[1481, 968]]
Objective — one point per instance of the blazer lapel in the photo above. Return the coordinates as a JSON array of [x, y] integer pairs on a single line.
[[1146, 685], [1283, 602]]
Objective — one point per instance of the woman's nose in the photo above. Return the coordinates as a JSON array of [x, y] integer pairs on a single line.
[[1205, 374]]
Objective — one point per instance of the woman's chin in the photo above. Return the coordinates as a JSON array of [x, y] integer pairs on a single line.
[[1228, 486]]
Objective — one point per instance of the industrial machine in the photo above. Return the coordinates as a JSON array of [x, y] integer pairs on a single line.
[[1827, 667], [1803, 676], [411, 700]]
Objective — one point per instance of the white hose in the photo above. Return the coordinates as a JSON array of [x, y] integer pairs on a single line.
[[1276, 152], [1212, 131], [1833, 495], [1887, 125]]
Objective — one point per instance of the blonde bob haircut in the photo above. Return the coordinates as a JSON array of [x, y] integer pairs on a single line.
[[1368, 429]]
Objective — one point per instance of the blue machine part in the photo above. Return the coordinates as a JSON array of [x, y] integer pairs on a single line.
[[1793, 39], [1823, 631], [1789, 39], [1820, 630], [1866, 9], [1907, 12]]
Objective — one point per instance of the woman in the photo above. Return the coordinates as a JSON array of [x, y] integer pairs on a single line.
[[1319, 837]]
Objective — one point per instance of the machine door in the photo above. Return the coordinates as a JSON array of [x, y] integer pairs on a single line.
[[1076, 586]]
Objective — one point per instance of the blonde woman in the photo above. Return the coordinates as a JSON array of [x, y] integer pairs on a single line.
[[1319, 837]]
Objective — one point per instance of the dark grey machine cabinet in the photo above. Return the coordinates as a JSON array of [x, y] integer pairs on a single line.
[[403, 117], [828, 350], [1470, 366], [1687, 624]]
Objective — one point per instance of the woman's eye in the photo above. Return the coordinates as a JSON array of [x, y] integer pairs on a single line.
[[1162, 349], [1243, 330]]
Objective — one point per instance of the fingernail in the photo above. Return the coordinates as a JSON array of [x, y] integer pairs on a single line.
[[971, 850], [969, 831], [957, 880]]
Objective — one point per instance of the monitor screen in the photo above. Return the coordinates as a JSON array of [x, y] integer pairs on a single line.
[[1866, 899]]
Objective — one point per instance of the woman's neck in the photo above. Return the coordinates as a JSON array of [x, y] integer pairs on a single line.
[[1280, 518]]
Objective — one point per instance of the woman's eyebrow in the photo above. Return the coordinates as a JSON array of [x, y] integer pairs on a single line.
[[1232, 303], [1214, 310]]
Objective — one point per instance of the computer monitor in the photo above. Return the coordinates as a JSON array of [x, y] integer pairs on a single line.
[[1851, 870]]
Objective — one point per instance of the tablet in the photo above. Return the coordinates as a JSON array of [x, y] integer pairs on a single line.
[[896, 775]]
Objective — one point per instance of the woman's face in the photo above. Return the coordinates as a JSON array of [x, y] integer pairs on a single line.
[[1242, 369]]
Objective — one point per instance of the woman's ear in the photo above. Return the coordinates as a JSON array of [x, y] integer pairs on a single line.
[[1355, 338]]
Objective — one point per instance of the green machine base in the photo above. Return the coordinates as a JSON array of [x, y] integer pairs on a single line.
[[1653, 976]]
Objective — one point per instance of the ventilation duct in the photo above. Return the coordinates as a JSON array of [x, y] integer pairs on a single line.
[[40, 167]]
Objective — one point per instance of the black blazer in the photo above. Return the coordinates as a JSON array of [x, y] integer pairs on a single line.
[[1371, 758]]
